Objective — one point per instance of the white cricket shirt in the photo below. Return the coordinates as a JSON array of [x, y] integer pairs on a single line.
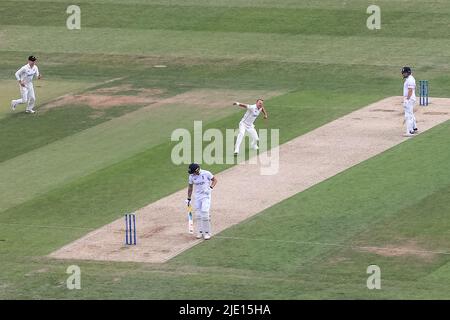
[[251, 114], [201, 183], [410, 83], [26, 73]]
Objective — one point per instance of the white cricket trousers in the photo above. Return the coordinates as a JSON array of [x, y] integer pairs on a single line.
[[253, 135], [202, 216], [27, 96], [410, 119]]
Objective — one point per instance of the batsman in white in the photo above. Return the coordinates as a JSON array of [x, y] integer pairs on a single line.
[[25, 77], [409, 99], [204, 182], [247, 123]]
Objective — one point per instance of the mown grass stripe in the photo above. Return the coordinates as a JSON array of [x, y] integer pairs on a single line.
[[336, 22], [362, 50]]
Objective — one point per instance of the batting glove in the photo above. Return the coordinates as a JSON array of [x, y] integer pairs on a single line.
[[188, 201]]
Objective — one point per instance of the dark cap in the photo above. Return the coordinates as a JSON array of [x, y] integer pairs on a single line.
[[406, 70], [193, 167], [32, 58]]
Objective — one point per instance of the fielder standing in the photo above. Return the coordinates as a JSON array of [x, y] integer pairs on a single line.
[[25, 77], [409, 99], [204, 182], [247, 123]]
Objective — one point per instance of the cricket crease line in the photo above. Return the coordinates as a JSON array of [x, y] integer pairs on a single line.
[[174, 254], [45, 227], [334, 245]]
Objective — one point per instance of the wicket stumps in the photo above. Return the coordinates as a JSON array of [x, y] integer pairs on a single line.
[[130, 228], [423, 92]]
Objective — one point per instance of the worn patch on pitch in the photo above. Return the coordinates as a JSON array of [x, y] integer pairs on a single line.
[[409, 248], [162, 230], [216, 100], [109, 97]]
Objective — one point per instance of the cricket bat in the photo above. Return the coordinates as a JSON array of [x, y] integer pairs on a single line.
[[190, 220]]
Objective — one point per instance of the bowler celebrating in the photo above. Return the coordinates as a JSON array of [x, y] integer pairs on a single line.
[[25, 77], [204, 182], [246, 123]]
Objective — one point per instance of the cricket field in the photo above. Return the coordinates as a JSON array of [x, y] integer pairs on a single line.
[[113, 92]]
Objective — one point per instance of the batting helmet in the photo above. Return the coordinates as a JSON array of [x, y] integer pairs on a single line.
[[193, 167], [406, 70]]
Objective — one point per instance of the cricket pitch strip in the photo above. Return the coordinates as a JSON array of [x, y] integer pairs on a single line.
[[162, 229]]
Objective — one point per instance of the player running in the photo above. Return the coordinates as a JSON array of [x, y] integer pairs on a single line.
[[246, 123], [204, 182], [25, 77]]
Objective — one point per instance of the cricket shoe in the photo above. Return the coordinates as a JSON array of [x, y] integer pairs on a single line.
[[207, 236], [199, 235], [410, 134], [30, 111], [13, 105]]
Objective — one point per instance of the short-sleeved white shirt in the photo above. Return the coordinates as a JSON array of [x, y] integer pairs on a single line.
[[410, 83], [202, 183], [250, 115]]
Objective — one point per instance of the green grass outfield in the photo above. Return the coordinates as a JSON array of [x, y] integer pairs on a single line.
[[69, 170]]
